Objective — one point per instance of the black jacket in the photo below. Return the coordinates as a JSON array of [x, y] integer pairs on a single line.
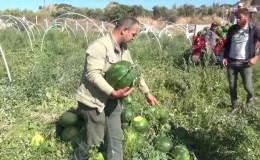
[[254, 36]]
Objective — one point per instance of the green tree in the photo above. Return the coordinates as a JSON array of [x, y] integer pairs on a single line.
[[97, 14], [13, 12], [160, 12], [138, 10], [186, 10], [202, 10], [217, 9], [114, 13]]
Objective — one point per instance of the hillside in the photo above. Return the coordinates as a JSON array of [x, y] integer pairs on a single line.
[[185, 14]]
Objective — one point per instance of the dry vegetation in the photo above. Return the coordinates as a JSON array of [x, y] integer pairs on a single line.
[[183, 20], [199, 20]]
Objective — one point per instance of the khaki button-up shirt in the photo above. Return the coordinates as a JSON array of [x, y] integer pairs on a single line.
[[100, 55]]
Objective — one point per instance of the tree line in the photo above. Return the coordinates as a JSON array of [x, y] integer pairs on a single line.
[[119, 10]]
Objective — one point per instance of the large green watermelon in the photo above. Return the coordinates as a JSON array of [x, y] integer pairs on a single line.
[[68, 119], [203, 33], [226, 28], [69, 133], [121, 74], [180, 152], [163, 144], [219, 30], [221, 34], [128, 114], [140, 124], [229, 24]]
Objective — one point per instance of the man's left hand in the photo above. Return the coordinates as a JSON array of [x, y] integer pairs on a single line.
[[253, 60], [150, 99]]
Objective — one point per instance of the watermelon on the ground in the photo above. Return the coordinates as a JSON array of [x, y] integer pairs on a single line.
[[68, 119], [140, 124], [69, 133], [130, 141], [163, 144], [37, 140], [180, 152], [128, 114]]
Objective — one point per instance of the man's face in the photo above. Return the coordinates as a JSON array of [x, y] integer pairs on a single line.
[[128, 34], [242, 20], [214, 28]]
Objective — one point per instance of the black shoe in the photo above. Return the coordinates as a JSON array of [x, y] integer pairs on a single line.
[[250, 102], [253, 103]]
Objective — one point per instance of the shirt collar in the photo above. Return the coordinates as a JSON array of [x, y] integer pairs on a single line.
[[116, 45]]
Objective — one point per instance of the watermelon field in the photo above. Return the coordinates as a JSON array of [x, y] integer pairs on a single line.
[[190, 122]]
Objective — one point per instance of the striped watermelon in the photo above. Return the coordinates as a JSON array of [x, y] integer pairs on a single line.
[[121, 74], [180, 152]]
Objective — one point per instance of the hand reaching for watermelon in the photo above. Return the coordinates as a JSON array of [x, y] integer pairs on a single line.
[[122, 93], [150, 99]]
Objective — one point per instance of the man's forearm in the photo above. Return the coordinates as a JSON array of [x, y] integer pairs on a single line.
[[142, 86], [96, 78]]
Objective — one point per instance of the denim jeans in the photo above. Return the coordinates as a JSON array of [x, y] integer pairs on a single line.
[[105, 125], [246, 73]]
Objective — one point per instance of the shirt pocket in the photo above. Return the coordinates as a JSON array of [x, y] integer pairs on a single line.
[[110, 60]]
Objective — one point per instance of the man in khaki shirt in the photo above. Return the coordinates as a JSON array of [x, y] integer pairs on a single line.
[[98, 102]]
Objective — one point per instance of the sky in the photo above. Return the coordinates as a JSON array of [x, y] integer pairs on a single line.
[[148, 4]]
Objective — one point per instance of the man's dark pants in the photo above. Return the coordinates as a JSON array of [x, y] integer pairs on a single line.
[[102, 125], [246, 72]]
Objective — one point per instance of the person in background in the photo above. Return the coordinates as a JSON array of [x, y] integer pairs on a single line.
[[99, 103], [233, 18], [253, 12], [211, 36], [240, 55], [211, 40]]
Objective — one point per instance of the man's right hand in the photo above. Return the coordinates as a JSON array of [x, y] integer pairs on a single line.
[[122, 93], [224, 62]]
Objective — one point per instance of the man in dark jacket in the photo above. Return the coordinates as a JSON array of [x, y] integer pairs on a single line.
[[240, 55]]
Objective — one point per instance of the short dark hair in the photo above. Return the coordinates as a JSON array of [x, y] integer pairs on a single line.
[[214, 24], [126, 21], [243, 11]]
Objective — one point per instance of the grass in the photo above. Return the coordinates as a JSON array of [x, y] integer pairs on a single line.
[[196, 98]]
